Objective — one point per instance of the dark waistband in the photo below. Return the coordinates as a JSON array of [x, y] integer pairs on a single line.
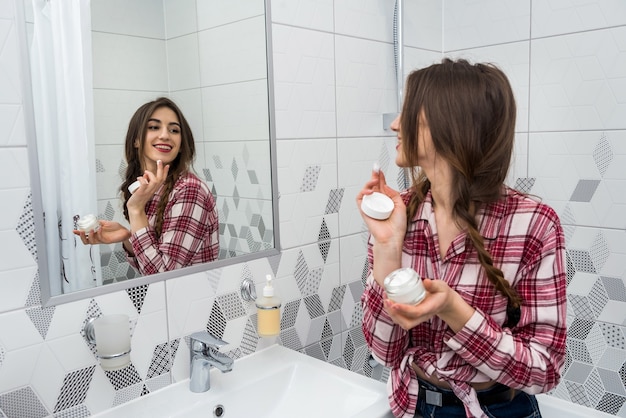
[[433, 395]]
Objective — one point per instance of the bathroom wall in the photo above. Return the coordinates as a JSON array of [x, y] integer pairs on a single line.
[[334, 77]]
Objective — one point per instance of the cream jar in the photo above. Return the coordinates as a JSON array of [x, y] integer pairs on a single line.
[[405, 286], [88, 223]]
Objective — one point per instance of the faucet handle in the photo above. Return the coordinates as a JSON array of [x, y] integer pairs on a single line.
[[207, 340]]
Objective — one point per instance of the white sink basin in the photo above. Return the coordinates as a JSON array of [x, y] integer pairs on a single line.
[[274, 382]]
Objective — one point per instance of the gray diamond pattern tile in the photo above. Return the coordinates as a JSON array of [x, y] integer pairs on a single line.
[[615, 288], [603, 154], [314, 306], [41, 318], [334, 201], [22, 402], [594, 387], [309, 180], [582, 261], [613, 335], [524, 184], [611, 403], [584, 191]]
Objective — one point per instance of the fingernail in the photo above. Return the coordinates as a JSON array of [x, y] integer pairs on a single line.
[[376, 167], [159, 162]]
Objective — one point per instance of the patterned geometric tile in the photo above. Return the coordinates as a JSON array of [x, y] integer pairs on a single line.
[[22, 403], [524, 184], [123, 378], [26, 226], [323, 240], [74, 389], [615, 288], [603, 154], [584, 190], [137, 296], [334, 201], [314, 306], [41, 318], [309, 180], [231, 306]]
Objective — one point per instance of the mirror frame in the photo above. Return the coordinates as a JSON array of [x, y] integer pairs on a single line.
[[47, 299]]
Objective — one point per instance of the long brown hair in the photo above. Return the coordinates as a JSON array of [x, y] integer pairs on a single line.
[[471, 113], [136, 134]]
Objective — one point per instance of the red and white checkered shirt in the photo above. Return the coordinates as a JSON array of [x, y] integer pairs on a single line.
[[526, 242], [190, 233]]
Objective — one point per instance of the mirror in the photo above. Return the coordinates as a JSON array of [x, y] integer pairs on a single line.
[[211, 59]]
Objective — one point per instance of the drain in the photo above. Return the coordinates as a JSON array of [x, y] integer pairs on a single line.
[[218, 411]]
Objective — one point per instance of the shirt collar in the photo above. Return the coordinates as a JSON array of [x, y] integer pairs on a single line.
[[490, 216]]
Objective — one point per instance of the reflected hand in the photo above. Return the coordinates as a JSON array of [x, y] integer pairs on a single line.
[[108, 233], [149, 183]]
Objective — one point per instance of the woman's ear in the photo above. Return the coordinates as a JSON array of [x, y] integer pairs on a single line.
[[136, 143]]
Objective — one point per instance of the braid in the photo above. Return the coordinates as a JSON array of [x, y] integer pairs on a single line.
[[167, 189], [494, 274]]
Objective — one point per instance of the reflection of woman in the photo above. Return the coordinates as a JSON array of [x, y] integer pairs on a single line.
[[172, 215], [490, 332]]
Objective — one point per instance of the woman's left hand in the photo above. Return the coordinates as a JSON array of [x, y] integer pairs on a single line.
[[440, 300]]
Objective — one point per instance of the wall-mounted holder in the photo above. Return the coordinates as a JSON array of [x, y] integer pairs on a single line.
[[387, 119], [248, 291], [111, 336]]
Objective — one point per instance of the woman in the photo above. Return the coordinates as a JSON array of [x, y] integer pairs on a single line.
[[491, 330], [172, 215]]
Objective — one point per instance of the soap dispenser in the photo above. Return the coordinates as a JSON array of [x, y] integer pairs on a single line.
[[268, 311]]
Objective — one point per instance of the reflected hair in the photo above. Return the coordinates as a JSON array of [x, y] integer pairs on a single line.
[[133, 149], [470, 111]]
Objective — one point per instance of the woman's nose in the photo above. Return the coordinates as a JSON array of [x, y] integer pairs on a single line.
[[395, 124]]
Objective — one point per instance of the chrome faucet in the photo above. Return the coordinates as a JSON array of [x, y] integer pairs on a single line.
[[203, 353]]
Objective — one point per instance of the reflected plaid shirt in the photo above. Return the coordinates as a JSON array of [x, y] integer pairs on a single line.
[[190, 233], [526, 242]]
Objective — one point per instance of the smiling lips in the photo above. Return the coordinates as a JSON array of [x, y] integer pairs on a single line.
[[163, 148]]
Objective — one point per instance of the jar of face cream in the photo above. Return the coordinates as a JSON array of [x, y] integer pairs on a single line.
[[405, 286], [88, 223]]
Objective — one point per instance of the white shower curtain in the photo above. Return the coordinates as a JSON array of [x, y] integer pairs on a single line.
[[63, 100]]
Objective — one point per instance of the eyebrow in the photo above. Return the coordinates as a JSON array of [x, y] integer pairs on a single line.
[[158, 121]]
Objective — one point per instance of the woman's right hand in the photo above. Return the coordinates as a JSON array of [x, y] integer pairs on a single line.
[[108, 233], [393, 229]]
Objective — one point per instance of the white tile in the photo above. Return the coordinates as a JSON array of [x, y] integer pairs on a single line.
[[242, 58], [513, 60], [68, 319], [236, 112], [7, 9], [471, 24], [366, 86], [190, 104], [15, 286], [108, 182], [353, 249], [11, 116], [183, 62], [18, 367], [138, 17], [423, 24], [189, 301], [365, 19], [576, 81], [113, 110], [214, 13], [17, 331], [10, 60], [14, 201], [129, 63], [71, 352], [304, 83], [312, 14], [150, 331], [180, 17], [418, 58], [567, 16], [15, 255], [14, 172]]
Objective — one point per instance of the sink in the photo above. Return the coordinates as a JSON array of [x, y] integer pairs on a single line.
[[274, 382]]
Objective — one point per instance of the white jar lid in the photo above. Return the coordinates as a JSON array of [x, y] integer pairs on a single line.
[[134, 186], [377, 205]]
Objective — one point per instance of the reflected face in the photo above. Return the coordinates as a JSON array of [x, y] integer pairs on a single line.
[[162, 138]]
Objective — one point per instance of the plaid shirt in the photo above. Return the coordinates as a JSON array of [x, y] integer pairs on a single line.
[[526, 242], [190, 233]]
